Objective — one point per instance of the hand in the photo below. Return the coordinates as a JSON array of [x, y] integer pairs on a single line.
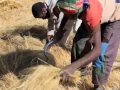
[[50, 35], [66, 74]]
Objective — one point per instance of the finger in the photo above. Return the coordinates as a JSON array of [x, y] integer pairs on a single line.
[[63, 78]]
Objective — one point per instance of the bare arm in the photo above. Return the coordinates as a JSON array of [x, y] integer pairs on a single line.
[[94, 53], [51, 22], [89, 57]]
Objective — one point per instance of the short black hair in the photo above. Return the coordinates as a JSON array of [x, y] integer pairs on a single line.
[[37, 8]]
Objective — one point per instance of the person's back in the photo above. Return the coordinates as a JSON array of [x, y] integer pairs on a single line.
[[111, 10]]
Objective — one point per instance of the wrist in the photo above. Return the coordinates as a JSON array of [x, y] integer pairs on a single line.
[[76, 65], [73, 67]]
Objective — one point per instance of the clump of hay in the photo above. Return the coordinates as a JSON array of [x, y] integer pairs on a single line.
[[114, 81], [12, 43], [46, 77], [8, 80], [26, 42], [9, 5], [61, 56], [112, 84]]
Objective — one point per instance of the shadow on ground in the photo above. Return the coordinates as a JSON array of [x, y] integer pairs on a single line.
[[20, 60], [39, 32]]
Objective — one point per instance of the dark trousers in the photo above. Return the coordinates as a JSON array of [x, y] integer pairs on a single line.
[[111, 32]]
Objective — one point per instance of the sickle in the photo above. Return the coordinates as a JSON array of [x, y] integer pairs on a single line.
[[47, 46]]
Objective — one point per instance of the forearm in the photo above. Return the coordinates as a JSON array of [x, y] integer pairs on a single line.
[[55, 23], [51, 24]]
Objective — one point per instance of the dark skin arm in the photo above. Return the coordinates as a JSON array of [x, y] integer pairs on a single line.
[[95, 39]]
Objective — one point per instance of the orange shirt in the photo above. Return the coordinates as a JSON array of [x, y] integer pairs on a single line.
[[93, 14]]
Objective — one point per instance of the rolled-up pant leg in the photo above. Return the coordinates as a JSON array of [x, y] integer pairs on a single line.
[[112, 33]]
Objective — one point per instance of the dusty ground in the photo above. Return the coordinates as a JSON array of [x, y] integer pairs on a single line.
[[21, 44]]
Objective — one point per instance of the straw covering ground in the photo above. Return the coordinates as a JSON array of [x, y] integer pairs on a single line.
[[23, 65]]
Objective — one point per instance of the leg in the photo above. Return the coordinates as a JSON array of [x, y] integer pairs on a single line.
[[112, 33]]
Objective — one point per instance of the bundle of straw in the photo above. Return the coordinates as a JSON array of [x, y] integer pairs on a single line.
[[8, 80], [47, 77]]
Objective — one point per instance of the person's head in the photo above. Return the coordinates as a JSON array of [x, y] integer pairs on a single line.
[[40, 10]]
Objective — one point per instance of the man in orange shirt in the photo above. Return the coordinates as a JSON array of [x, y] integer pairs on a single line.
[[97, 40]]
